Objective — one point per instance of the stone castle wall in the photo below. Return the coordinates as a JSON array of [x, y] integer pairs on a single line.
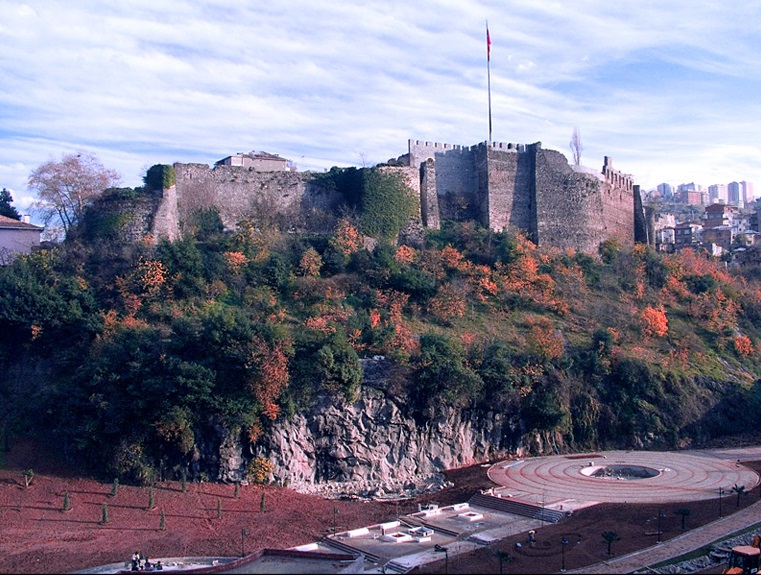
[[510, 192], [524, 187], [456, 176], [500, 185], [238, 193], [569, 205]]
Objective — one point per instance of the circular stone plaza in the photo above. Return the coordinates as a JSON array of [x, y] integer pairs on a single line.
[[572, 481]]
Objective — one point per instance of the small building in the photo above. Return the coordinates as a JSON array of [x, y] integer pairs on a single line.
[[665, 239], [17, 237], [256, 161], [719, 215], [687, 234], [719, 235]]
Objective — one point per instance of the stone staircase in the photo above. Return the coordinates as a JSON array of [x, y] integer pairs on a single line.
[[516, 508], [346, 548], [394, 567]]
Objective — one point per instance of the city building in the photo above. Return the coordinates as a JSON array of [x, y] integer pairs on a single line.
[[734, 194], [717, 193]]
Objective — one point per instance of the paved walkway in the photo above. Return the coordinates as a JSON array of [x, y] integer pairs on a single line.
[[679, 545], [680, 476], [675, 476]]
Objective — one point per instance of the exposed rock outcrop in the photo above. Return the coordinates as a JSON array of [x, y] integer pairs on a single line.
[[373, 442]]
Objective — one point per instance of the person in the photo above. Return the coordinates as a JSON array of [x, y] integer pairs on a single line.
[[135, 561], [159, 566]]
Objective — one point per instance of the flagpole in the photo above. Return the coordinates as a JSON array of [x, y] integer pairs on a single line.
[[488, 72]]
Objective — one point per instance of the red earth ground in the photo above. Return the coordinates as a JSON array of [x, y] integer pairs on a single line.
[[38, 536]]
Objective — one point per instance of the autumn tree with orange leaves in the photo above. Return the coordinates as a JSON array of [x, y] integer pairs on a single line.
[[272, 377], [743, 345], [654, 322]]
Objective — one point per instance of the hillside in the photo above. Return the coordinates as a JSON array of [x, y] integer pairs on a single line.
[[164, 360]]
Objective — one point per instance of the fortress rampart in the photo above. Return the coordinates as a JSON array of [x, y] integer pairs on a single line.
[[508, 186], [503, 186]]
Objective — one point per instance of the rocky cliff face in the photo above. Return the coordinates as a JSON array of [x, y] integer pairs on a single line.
[[373, 443]]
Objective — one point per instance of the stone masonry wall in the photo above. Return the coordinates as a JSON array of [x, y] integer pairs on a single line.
[[166, 220], [569, 205], [239, 192], [620, 198], [429, 200], [511, 193], [502, 186], [456, 179], [523, 187]]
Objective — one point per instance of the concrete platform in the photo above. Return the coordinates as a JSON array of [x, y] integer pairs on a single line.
[[558, 480]]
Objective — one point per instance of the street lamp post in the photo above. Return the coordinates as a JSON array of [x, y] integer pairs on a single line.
[[335, 513], [243, 535], [721, 492], [563, 543], [660, 517]]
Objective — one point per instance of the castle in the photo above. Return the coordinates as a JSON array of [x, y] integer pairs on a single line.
[[501, 186]]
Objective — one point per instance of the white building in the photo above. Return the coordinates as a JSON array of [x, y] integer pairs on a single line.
[[17, 237]]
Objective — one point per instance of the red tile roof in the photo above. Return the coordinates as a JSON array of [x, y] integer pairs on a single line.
[[7, 223]]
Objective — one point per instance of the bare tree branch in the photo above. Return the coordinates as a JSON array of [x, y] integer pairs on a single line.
[[576, 147], [66, 187]]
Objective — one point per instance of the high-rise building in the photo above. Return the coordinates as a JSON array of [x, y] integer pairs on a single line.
[[746, 192], [734, 195], [665, 190], [717, 194]]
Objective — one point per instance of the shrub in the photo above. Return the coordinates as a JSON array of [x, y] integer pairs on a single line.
[[743, 345], [259, 470], [654, 322], [160, 177]]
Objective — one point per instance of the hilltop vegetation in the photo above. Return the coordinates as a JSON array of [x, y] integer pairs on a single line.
[[132, 358]]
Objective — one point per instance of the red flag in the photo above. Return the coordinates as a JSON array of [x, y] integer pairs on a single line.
[[488, 43]]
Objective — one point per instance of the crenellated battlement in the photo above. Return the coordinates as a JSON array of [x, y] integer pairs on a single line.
[[422, 150], [444, 146], [616, 178], [435, 145]]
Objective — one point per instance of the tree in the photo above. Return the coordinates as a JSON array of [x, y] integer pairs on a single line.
[[337, 367], [66, 187], [28, 475], [6, 209], [610, 537], [576, 146], [444, 376], [654, 322]]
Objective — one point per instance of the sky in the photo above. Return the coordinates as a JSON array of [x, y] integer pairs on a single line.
[[668, 90]]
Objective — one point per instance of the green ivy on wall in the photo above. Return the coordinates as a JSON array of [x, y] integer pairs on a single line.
[[160, 177]]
